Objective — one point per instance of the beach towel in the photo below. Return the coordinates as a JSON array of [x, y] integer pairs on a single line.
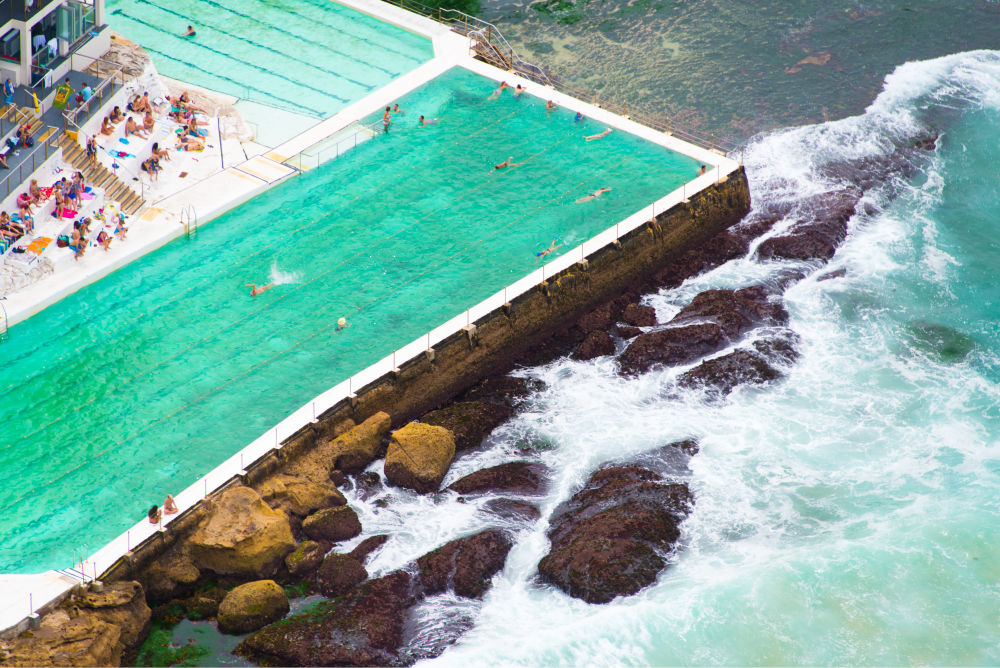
[[45, 192], [122, 154], [123, 140], [86, 195], [69, 213]]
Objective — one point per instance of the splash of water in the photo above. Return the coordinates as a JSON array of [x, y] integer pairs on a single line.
[[281, 277]]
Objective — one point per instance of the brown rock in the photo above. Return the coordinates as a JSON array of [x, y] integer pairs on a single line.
[[596, 344], [639, 316], [726, 372], [504, 390], [252, 606], [419, 456], [242, 536], [360, 446], [306, 558], [527, 478], [469, 421], [466, 565], [297, 496], [674, 345], [332, 524], [627, 332], [511, 509], [171, 575], [339, 574], [367, 546], [365, 628], [600, 318]]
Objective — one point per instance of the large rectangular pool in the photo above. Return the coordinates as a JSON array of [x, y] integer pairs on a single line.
[[139, 384]]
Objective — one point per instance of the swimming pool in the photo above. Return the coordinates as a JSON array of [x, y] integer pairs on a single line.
[[312, 56], [137, 385]]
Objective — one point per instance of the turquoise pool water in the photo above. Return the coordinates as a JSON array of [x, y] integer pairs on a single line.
[[139, 384], [311, 56]]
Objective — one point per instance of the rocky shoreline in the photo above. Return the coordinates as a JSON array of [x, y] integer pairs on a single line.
[[612, 537]]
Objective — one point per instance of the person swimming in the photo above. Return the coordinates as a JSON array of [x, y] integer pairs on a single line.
[[552, 247], [578, 117], [496, 93], [507, 163], [550, 106], [593, 195], [428, 121], [518, 90], [342, 323], [606, 132], [189, 32], [702, 170], [257, 289]]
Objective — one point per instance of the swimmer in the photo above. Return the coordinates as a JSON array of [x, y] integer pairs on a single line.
[[506, 163], [578, 117], [397, 110], [702, 170], [550, 106], [593, 195], [520, 89], [342, 323], [606, 132], [256, 290], [425, 121], [189, 32], [553, 246], [496, 93]]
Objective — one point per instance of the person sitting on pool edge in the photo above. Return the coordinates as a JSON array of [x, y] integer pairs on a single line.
[[169, 506], [154, 515], [593, 195]]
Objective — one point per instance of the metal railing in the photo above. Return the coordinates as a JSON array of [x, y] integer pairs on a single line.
[[189, 219], [9, 183], [106, 86], [317, 154], [491, 46]]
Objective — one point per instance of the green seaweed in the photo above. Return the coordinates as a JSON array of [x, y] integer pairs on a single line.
[[297, 590], [157, 650]]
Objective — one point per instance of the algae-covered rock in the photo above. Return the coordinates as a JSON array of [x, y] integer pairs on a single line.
[[514, 478], [339, 574], [306, 558], [201, 607], [332, 524], [465, 565], [469, 421], [171, 575], [639, 316], [297, 496], [242, 536], [367, 546], [596, 344], [360, 446], [365, 628], [252, 606], [419, 456]]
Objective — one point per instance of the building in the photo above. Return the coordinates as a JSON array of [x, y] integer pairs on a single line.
[[39, 39]]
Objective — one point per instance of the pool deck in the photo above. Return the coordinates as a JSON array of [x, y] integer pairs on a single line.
[[231, 183]]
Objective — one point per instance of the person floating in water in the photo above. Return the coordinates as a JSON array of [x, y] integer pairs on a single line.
[[190, 32], [593, 195], [428, 121], [606, 132], [702, 170], [496, 93], [552, 247], [342, 323], [507, 163], [257, 289]]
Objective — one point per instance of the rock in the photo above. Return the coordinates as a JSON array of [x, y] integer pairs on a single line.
[[836, 273], [252, 606], [332, 524], [709, 323], [726, 372], [596, 344], [725, 246], [368, 485], [306, 558], [367, 546], [242, 536], [627, 332], [419, 456], [600, 318], [822, 228], [610, 537], [365, 628], [171, 575], [360, 446], [297, 496], [96, 629], [339, 574], [469, 421], [503, 390], [510, 509], [527, 478], [337, 477], [201, 607], [779, 349], [639, 316], [466, 565]]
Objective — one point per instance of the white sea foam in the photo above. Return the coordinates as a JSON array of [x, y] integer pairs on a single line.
[[281, 277]]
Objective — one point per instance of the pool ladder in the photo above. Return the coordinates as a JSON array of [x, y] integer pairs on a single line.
[[189, 219]]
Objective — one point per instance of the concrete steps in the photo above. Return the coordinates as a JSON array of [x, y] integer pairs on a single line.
[[99, 176]]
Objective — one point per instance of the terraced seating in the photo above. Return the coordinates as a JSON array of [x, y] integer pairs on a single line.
[[98, 176]]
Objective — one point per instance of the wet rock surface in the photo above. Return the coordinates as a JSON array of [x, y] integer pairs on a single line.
[[339, 574], [522, 478], [252, 606], [465, 565], [360, 446], [332, 524], [306, 558], [419, 457], [725, 373], [366, 547], [365, 628], [595, 344], [611, 538], [469, 421], [822, 229], [512, 509], [639, 316]]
